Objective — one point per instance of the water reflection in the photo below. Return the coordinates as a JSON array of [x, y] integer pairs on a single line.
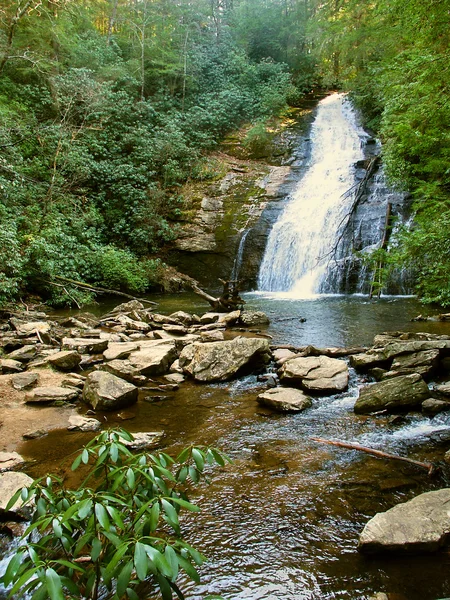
[[283, 520]]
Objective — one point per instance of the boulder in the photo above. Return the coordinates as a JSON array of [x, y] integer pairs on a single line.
[[163, 320], [24, 354], [219, 361], [398, 393], [210, 317], [175, 378], [316, 373], [285, 399], [368, 360], [104, 391], [409, 347], [73, 380], [433, 406], [80, 423], [443, 389], [10, 482], [175, 329], [154, 357], [52, 394], [144, 440], [251, 318], [424, 362], [132, 324], [127, 307], [420, 525], [212, 336], [24, 381], [26, 329], [120, 350], [85, 345], [125, 370], [229, 319], [8, 365], [281, 355], [10, 461], [66, 360], [183, 317]]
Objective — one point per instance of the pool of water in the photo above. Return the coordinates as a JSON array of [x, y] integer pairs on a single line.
[[283, 520]]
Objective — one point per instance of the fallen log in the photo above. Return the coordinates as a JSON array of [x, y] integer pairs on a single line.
[[98, 290], [378, 453]]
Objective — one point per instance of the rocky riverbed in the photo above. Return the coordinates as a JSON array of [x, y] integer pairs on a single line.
[[68, 373]]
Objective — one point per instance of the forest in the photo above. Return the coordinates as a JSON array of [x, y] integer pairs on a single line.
[[108, 106]]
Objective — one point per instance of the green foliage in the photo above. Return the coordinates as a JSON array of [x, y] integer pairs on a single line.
[[115, 535], [106, 109], [257, 140]]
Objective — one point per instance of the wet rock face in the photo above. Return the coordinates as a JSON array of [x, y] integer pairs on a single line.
[[399, 393], [316, 374], [104, 391], [420, 525], [285, 399], [220, 361]]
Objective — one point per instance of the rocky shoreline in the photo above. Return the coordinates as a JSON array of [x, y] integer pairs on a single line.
[[66, 372]]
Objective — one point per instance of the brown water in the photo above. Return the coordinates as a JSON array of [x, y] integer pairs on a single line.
[[283, 520]]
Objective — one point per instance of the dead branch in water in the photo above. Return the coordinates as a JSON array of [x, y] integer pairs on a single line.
[[227, 302], [378, 453]]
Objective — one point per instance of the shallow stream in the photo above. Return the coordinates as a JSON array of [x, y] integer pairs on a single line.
[[283, 520]]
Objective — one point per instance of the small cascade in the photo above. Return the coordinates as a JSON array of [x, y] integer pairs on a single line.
[[238, 260], [303, 242]]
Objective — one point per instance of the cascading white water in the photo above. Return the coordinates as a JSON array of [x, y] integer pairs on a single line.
[[301, 242], [238, 260]]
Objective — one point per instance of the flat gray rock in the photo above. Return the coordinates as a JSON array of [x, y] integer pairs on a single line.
[[443, 388], [250, 318], [220, 361], [85, 345], [123, 369], [26, 329], [8, 365], [24, 381], [24, 354], [154, 357], [66, 360], [398, 393], [80, 423], [316, 373], [368, 360], [433, 406], [10, 461], [120, 350], [144, 440], [50, 393], [420, 525], [285, 399], [10, 482], [104, 391]]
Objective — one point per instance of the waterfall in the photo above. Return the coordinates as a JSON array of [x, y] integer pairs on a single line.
[[238, 260], [301, 243]]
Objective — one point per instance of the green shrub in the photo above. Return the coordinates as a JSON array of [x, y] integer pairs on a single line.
[[115, 535]]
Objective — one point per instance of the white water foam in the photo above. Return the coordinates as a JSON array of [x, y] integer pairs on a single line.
[[301, 242]]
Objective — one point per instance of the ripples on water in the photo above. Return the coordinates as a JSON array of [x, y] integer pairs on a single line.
[[283, 520]]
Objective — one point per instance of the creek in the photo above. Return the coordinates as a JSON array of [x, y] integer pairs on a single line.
[[283, 520]]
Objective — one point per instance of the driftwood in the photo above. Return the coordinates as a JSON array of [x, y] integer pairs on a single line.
[[228, 301], [378, 453], [97, 290]]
